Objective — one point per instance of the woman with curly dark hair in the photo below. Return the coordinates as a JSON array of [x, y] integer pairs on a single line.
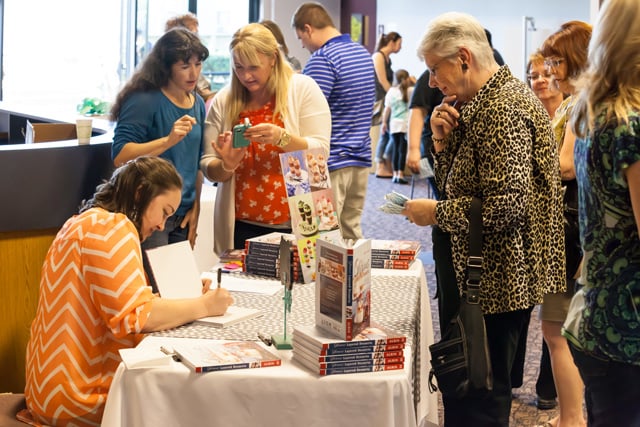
[[159, 113]]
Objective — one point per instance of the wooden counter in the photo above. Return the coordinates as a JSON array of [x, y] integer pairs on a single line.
[[41, 186]]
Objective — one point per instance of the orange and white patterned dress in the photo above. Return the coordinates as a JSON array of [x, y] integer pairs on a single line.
[[94, 300], [261, 195]]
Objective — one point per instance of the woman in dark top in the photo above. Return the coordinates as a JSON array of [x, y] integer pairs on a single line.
[[388, 44]]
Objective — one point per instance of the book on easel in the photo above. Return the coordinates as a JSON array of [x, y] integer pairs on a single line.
[[343, 285], [212, 355]]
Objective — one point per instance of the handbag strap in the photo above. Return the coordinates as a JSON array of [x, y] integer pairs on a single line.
[[474, 262]]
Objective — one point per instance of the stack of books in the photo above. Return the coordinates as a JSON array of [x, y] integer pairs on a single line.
[[375, 349], [261, 256], [394, 254]]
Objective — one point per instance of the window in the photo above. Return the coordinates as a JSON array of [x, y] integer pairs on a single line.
[[56, 54]]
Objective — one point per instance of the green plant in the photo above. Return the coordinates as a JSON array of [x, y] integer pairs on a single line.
[[93, 106]]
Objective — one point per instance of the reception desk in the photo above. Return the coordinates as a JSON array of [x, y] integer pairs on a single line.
[[41, 185]]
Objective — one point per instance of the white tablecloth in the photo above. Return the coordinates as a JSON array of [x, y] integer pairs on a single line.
[[288, 395]]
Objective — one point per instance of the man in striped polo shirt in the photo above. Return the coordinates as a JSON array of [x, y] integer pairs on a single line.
[[344, 71]]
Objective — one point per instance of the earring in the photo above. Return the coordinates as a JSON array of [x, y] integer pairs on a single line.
[[465, 67]]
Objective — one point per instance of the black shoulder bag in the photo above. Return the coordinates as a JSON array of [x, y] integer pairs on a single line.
[[460, 361]]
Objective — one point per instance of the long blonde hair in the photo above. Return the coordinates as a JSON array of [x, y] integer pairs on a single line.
[[247, 43], [611, 82]]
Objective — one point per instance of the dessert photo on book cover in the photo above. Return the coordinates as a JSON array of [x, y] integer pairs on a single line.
[[311, 202]]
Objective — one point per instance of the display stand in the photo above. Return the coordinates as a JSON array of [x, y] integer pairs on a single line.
[[282, 341]]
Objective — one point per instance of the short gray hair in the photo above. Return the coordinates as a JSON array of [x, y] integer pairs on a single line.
[[448, 32]]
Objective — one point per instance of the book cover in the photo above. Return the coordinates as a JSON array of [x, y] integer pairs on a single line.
[[346, 369], [234, 314], [395, 247], [343, 285], [373, 338], [311, 202], [212, 355], [392, 356]]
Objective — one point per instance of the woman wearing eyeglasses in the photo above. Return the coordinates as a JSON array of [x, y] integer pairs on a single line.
[[565, 53], [492, 139], [539, 79]]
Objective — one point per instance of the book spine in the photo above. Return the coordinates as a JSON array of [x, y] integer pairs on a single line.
[[401, 265], [412, 252], [348, 308], [375, 256], [345, 347], [359, 369], [361, 363], [267, 363], [397, 355], [390, 357], [202, 369], [345, 370]]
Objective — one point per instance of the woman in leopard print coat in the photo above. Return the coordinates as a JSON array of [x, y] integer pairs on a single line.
[[492, 139]]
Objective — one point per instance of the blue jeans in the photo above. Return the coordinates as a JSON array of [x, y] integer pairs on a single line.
[[611, 390]]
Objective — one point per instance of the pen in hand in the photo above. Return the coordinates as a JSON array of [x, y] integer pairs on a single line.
[[219, 277]]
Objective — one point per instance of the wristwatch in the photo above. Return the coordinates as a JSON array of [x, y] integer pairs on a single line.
[[284, 140]]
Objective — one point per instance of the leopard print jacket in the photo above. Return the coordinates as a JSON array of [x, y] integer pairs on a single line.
[[504, 151]]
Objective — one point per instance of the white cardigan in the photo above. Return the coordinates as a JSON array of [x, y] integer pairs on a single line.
[[308, 116]]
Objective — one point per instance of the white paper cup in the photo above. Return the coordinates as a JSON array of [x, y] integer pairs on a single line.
[[83, 130]]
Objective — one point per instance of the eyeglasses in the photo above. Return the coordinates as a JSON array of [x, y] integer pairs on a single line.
[[535, 76], [433, 70], [553, 62]]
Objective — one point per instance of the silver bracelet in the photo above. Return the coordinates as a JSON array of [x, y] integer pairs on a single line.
[[227, 170]]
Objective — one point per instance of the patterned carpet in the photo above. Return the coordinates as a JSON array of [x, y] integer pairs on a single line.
[[378, 225]]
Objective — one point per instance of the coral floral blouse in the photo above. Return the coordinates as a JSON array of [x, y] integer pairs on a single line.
[[260, 189]]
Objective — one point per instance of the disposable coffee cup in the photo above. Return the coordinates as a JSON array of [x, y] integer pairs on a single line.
[[83, 130]]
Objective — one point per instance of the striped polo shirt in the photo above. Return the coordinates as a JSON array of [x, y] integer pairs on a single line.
[[344, 71]]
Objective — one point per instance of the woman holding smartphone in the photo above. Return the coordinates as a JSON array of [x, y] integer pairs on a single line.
[[287, 111]]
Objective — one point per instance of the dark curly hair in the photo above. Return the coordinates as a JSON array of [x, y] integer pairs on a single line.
[[132, 187], [177, 44]]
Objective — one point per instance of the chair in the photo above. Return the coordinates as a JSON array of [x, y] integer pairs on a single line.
[[10, 404]]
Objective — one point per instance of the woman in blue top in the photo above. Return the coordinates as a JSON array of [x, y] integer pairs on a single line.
[[603, 324], [158, 113]]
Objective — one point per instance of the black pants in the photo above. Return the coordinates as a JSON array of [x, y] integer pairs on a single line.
[[447, 292], [243, 231], [492, 409]]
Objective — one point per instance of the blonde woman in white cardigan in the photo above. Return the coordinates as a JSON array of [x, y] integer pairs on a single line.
[[287, 112]]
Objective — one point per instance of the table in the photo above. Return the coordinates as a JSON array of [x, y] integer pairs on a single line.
[[288, 395]]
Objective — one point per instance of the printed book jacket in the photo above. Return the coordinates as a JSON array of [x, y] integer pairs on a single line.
[[213, 355], [343, 286]]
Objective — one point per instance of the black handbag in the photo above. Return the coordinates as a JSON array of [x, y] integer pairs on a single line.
[[460, 362]]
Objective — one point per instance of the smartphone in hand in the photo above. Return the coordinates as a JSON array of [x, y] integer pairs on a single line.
[[238, 130]]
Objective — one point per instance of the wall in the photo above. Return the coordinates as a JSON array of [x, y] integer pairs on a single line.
[[504, 18], [281, 11], [368, 9]]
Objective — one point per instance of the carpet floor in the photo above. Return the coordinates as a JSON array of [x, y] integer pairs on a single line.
[[379, 225]]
